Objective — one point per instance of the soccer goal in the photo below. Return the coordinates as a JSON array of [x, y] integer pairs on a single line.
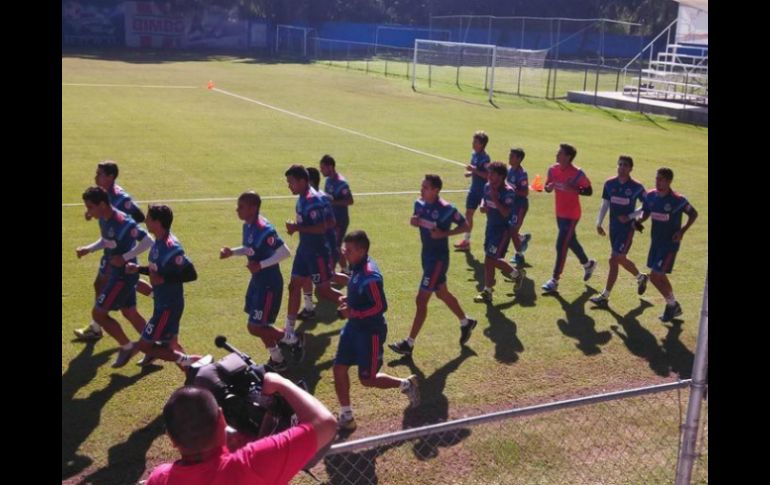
[[474, 65], [294, 41], [399, 36]]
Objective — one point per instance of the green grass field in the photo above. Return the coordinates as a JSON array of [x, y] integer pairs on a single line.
[[193, 144]]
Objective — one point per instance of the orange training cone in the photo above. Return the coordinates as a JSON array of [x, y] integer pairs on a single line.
[[211, 85], [537, 184]]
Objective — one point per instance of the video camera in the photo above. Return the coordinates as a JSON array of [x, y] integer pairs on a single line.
[[236, 382]]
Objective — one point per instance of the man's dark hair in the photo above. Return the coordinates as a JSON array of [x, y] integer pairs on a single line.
[[96, 195], [666, 173], [498, 168], [298, 172], [627, 159], [569, 150], [328, 160], [108, 167], [191, 415], [519, 152], [482, 137], [251, 198], [314, 177], [434, 181], [359, 238], [161, 213]]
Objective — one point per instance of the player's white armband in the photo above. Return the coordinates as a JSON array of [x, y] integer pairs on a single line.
[[602, 212], [279, 255], [141, 247]]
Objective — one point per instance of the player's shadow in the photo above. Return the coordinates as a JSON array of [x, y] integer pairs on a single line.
[[580, 326], [310, 368], [127, 461], [477, 267], [502, 331], [325, 313], [434, 406], [637, 339], [679, 357], [81, 416], [356, 468]]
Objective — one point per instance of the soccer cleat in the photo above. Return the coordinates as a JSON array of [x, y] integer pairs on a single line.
[[641, 284], [484, 297], [463, 245], [277, 366], [465, 331], [670, 312], [346, 423], [124, 355], [412, 392], [518, 260], [589, 270], [306, 314], [550, 285], [600, 299], [88, 334], [402, 347], [525, 242], [518, 280], [146, 360]]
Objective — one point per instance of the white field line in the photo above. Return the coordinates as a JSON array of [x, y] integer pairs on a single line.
[[272, 197], [341, 128], [129, 86]]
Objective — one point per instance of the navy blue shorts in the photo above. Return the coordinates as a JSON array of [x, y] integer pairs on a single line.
[[315, 266], [433, 273], [164, 324], [362, 345], [621, 238], [661, 258], [263, 302], [118, 293], [496, 241], [473, 200]]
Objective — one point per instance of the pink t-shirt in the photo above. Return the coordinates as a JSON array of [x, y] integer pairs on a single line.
[[271, 460], [566, 184]]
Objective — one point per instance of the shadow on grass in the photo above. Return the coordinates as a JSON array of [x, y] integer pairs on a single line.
[[580, 326]]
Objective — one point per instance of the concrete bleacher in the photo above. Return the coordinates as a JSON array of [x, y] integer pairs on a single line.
[[677, 74]]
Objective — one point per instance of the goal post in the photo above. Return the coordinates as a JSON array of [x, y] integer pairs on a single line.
[[293, 40]]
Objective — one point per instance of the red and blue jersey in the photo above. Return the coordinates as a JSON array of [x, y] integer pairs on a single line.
[[440, 214], [366, 293], [622, 198], [331, 224], [518, 179], [310, 212], [167, 257], [121, 200], [507, 196], [337, 187], [120, 233], [262, 241], [666, 214], [479, 161]]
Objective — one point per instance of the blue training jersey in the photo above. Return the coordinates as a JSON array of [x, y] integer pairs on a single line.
[[121, 200], [310, 212], [622, 197], [518, 179], [262, 241], [479, 161], [666, 214], [120, 233], [440, 214], [366, 293], [506, 197], [337, 187], [167, 257]]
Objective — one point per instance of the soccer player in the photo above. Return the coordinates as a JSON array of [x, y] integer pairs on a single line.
[[619, 196], [336, 186], [517, 178], [666, 207], [497, 205], [313, 258], [106, 173], [569, 182], [363, 336], [264, 250], [168, 269], [477, 169], [434, 217], [119, 237]]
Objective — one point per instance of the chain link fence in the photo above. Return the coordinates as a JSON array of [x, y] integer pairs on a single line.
[[627, 437]]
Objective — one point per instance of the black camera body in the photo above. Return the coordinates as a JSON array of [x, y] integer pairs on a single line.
[[236, 383]]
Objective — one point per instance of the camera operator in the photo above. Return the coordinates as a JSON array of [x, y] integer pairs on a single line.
[[196, 426]]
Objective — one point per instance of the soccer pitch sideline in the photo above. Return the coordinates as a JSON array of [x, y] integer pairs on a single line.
[[175, 140]]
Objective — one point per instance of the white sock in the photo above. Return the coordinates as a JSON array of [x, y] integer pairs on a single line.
[[183, 360], [606, 293], [467, 237], [405, 384], [127, 346], [275, 353], [410, 340], [309, 302], [640, 276], [95, 326], [289, 327], [488, 289], [348, 410], [464, 321], [670, 300]]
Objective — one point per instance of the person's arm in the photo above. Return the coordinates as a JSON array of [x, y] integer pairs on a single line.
[[584, 184], [548, 182], [94, 246], [186, 274], [600, 218], [692, 214], [307, 408], [376, 299], [237, 251], [143, 245], [279, 255]]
